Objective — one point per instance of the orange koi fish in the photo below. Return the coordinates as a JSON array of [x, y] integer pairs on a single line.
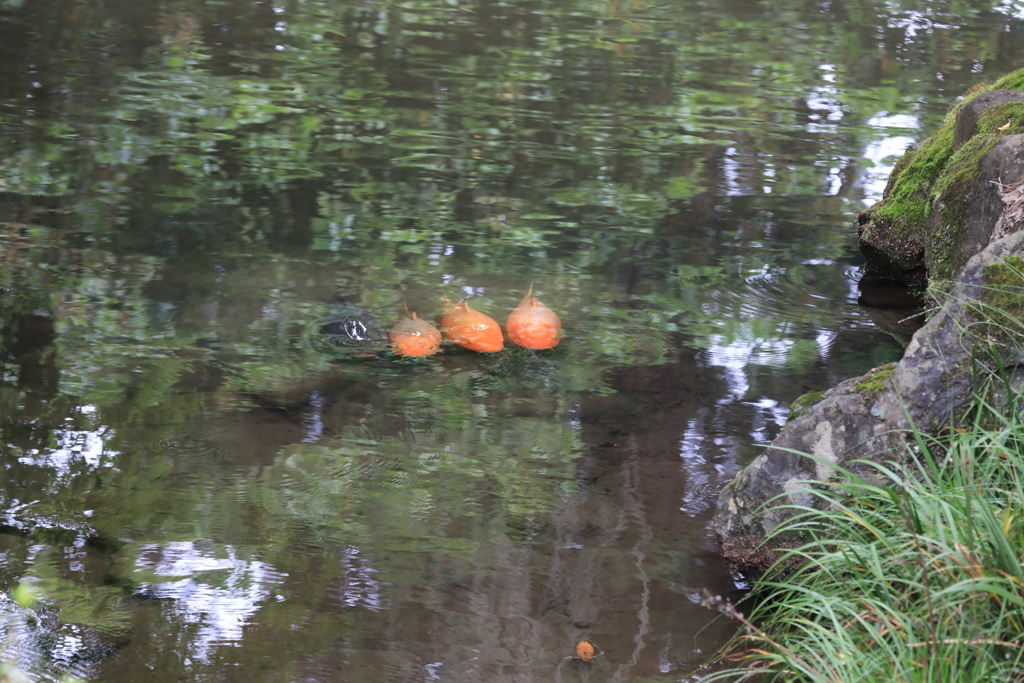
[[585, 651], [533, 325], [471, 329], [413, 337]]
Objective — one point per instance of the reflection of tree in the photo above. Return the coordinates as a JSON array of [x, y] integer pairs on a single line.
[[183, 198], [521, 94], [609, 126], [658, 115]]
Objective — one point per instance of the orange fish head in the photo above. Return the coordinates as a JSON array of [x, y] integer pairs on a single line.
[[414, 338], [471, 329], [585, 651], [533, 325]]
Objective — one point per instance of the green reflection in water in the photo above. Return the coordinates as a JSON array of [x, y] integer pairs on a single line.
[[195, 492]]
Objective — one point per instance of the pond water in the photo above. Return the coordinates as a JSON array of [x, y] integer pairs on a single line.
[[195, 489]]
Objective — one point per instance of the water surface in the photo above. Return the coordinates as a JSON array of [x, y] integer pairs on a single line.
[[195, 490]]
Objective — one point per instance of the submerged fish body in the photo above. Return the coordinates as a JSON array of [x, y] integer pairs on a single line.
[[471, 329], [533, 325], [413, 337]]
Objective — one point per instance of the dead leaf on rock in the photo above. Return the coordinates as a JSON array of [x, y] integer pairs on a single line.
[[1012, 218]]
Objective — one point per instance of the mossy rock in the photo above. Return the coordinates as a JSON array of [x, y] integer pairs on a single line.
[[999, 309], [914, 233], [803, 403], [873, 418], [873, 383]]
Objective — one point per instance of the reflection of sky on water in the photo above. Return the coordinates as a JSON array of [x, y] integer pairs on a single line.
[[74, 449], [693, 452], [734, 357], [768, 414], [1012, 8], [215, 589], [747, 343], [913, 23], [313, 422], [824, 340], [731, 175], [825, 103], [357, 586], [736, 354], [883, 152]]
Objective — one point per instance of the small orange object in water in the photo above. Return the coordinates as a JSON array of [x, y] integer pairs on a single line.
[[584, 651], [533, 325], [471, 329], [414, 337]]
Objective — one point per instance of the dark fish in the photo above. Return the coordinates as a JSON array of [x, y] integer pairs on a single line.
[[352, 330]]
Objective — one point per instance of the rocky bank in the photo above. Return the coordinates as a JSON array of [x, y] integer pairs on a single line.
[[950, 217]]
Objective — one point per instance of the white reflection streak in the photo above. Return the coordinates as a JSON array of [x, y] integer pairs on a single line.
[[577, 425], [731, 173], [734, 358], [695, 499], [314, 423], [884, 152], [768, 413], [771, 352], [824, 99], [221, 604], [360, 588], [912, 22], [1012, 8], [73, 446], [825, 339]]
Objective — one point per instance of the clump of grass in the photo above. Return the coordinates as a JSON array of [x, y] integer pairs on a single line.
[[919, 578], [913, 571]]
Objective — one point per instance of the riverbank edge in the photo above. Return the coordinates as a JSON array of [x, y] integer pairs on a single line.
[[811, 474], [915, 574], [868, 417]]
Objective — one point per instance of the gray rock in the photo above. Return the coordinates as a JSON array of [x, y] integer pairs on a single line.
[[865, 418], [978, 203], [966, 123]]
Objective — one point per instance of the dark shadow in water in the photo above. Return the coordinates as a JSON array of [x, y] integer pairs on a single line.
[[893, 307]]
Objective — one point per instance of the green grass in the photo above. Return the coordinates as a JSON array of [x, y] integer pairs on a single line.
[[919, 578], [913, 572]]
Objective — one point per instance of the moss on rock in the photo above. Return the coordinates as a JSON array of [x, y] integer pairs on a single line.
[[1000, 307], [952, 188], [896, 229], [872, 384], [909, 200], [964, 164], [1011, 81], [802, 403]]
